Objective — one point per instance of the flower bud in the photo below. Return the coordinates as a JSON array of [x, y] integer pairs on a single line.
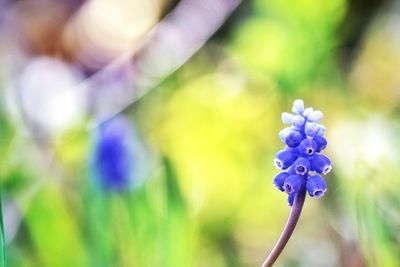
[[286, 132], [301, 166], [287, 118], [298, 106], [293, 139], [315, 116], [285, 158], [321, 130], [295, 120], [293, 184], [298, 121], [307, 147], [316, 186], [320, 163], [321, 143], [308, 111], [311, 129], [279, 180]]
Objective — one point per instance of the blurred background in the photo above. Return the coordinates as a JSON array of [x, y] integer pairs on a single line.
[[142, 133]]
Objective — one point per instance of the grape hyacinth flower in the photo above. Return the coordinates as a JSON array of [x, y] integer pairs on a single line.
[[301, 164], [114, 158]]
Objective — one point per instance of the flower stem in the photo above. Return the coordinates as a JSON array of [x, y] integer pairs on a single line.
[[288, 230]]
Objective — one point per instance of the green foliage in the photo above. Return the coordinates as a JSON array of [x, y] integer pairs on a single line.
[[293, 42], [53, 229]]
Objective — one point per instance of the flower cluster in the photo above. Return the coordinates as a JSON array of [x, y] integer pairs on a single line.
[[301, 160]]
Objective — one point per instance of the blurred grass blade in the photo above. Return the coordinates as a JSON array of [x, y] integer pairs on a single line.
[[2, 239], [97, 228], [54, 230], [177, 239], [173, 193]]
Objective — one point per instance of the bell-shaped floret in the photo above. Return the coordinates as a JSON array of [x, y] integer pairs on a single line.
[[321, 143], [312, 129], [307, 147], [279, 180], [316, 186], [285, 158], [285, 132], [293, 139], [301, 166], [293, 184], [320, 163]]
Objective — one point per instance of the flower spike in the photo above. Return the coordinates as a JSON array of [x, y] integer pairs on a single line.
[[304, 164], [304, 142]]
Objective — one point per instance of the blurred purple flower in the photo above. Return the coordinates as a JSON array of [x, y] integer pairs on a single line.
[[116, 155]]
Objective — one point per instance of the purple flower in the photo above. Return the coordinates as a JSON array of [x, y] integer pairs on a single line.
[[320, 163], [113, 155], [291, 135], [302, 157], [279, 180], [301, 166], [285, 158], [307, 147], [293, 184], [293, 139], [312, 129], [321, 143], [316, 186]]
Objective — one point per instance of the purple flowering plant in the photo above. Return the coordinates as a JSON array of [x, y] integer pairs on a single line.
[[113, 156], [302, 165]]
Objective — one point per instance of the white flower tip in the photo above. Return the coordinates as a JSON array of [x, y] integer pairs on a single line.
[[315, 116], [284, 133], [287, 118], [308, 111], [298, 106]]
